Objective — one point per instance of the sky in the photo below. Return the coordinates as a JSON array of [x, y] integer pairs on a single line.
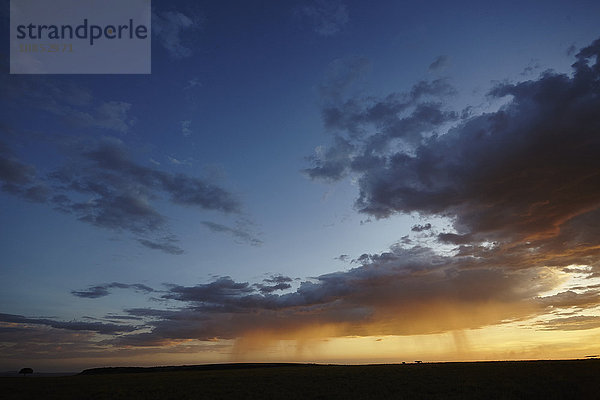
[[309, 181]]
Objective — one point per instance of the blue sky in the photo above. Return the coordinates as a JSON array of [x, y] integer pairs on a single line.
[[219, 164]]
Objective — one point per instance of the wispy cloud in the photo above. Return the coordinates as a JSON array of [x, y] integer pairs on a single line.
[[122, 190], [167, 245], [439, 63], [326, 17], [342, 74], [173, 31], [104, 187], [241, 232], [16, 177], [73, 104], [97, 327], [94, 292], [186, 128], [575, 323], [192, 83]]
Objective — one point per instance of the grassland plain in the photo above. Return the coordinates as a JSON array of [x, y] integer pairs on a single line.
[[572, 379]]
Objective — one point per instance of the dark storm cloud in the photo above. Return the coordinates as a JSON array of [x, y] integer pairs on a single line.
[[404, 291], [400, 292], [94, 292], [527, 173], [525, 169], [356, 115], [366, 128], [240, 232], [520, 184], [98, 327]]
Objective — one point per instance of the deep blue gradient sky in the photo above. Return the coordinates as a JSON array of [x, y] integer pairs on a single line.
[[204, 167]]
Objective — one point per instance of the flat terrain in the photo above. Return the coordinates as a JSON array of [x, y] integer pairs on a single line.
[[575, 379]]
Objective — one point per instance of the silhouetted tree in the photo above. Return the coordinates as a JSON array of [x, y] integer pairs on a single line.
[[26, 371]]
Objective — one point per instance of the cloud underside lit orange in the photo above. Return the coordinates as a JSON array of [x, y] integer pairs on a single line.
[[516, 276]]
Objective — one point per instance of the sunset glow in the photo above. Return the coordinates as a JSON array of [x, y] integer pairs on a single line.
[[315, 181]]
